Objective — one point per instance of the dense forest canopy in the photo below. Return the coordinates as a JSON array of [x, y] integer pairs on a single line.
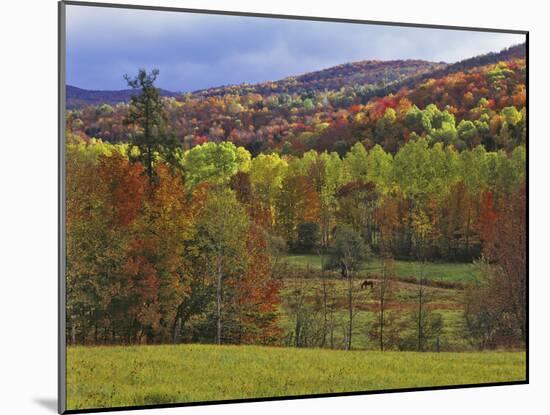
[[472, 105], [179, 209]]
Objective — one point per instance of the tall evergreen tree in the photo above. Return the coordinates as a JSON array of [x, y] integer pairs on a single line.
[[146, 113]]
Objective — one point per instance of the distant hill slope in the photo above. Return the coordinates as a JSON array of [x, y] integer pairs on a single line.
[[332, 109], [383, 77], [78, 97], [371, 72], [376, 73], [513, 52]]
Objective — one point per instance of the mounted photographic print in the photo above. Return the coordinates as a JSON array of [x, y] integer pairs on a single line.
[[257, 207]]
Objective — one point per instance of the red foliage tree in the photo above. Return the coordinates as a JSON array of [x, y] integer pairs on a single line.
[[257, 293]]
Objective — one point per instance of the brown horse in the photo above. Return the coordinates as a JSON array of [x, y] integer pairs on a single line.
[[367, 284]]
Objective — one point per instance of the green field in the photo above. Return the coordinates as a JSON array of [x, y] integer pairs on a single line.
[[444, 271], [140, 375]]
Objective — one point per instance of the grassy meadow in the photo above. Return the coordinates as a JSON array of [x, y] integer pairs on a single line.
[[439, 271], [142, 375], [304, 274], [103, 376]]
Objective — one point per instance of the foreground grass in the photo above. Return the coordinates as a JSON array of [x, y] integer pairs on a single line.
[[142, 375], [443, 271]]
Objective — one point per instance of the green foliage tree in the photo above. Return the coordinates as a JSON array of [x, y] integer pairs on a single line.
[[418, 121], [356, 162], [379, 169], [222, 237], [412, 169], [308, 237], [214, 163], [467, 132], [266, 174]]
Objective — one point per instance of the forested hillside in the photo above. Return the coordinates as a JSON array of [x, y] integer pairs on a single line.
[[184, 215], [473, 105], [367, 74]]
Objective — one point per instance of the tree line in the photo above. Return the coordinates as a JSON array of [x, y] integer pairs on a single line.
[[471, 105], [168, 245]]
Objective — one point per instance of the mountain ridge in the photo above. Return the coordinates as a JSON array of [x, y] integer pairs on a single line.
[[384, 77], [79, 97], [334, 77]]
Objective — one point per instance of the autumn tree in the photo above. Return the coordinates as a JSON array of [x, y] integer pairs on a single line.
[[482, 313], [169, 223], [256, 297], [296, 203], [505, 246], [103, 251], [356, 204], [222, 237]]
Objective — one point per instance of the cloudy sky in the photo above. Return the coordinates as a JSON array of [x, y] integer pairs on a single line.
[[195, 51]]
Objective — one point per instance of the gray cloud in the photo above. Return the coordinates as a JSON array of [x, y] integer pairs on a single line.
[[194, 51]]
